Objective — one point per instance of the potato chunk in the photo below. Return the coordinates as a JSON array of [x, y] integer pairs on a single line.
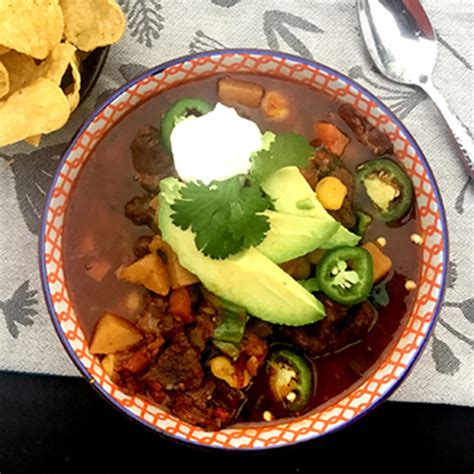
[[276, 106], [113, 333], [382, 263], [179, 276], [234, 91], [150, 272], [108, 364]]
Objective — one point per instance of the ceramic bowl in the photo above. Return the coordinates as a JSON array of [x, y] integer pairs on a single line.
[[405, 349]]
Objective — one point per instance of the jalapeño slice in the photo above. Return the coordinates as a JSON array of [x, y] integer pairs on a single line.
[[290, 378], [388, 187], [180, 110], [345, 274]]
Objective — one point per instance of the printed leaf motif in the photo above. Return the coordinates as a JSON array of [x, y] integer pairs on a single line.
[[454, 51], [445, 360], [276, 24], [466, 307], [202, 42], [452, 275], [144, 20], [225, 3], [33, 173], [459, 204], [19, 308], [402, 100]]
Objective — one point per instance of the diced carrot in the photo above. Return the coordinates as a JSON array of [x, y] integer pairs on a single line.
[[180, 305], [382, 263], [138, 362], [275, 106], [331, 137], [232, 91], [155, 390]]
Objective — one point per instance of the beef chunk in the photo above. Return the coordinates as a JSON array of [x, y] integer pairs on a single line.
[[139, 211], [155, 318], [147, 154], [141, 246], [213, 406], [365, 132], [149, 159], [342, 326], [202, 331], [178, 366], [323, 164]]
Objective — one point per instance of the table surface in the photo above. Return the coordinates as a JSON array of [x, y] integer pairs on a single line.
[[59, 424]]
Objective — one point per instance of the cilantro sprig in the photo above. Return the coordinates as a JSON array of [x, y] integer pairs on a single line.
[[288, 149], [225, 216]]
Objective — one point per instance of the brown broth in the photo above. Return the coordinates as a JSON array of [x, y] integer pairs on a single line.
[[98, 238]]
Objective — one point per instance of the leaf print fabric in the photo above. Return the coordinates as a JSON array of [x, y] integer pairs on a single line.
[[160, 30]]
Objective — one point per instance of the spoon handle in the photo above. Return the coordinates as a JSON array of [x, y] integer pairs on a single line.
[[458, 129]]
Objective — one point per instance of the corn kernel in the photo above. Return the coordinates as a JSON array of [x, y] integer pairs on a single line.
[[416, 239], [331, 193], [267, 416]]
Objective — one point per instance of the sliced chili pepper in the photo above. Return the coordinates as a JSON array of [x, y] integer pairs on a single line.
[[345, 274], [363, 222], [388, 187], [290, 378], [178, 111]]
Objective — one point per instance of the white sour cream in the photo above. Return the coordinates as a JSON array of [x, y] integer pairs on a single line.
[[214, 146]]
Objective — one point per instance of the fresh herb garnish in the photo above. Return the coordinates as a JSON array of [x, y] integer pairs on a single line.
[[288, 149], [224, 215]]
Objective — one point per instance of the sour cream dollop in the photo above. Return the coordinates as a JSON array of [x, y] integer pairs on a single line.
[[215, 146]]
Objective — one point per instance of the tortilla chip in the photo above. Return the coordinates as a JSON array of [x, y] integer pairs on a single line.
[[33, 140], [3, 50], [4, 80], [73, 91], [38, 108], [55, 65], [32, 27], [89, 24], [20, 69]]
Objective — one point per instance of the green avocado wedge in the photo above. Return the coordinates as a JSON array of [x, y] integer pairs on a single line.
[[291, 237], [248, 279], [292, 195]]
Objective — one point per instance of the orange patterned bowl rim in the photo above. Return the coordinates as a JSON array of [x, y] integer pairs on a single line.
[[405, 349]]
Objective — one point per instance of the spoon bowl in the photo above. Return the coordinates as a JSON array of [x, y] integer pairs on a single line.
[[403, 46], [406, 49]]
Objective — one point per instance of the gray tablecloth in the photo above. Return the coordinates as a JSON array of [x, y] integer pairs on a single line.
[[327, 31]]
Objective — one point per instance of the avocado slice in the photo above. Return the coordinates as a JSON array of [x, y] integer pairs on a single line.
[[290, 236], [292, 195], [248, 279]]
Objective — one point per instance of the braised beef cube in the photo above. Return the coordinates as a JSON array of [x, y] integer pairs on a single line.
[[213, 406], [365, 132], [139, 211], [342, 326], [202, 332], [147, 155], [178, 367]]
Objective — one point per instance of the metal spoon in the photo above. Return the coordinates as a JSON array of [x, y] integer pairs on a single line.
[[402, 43]]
